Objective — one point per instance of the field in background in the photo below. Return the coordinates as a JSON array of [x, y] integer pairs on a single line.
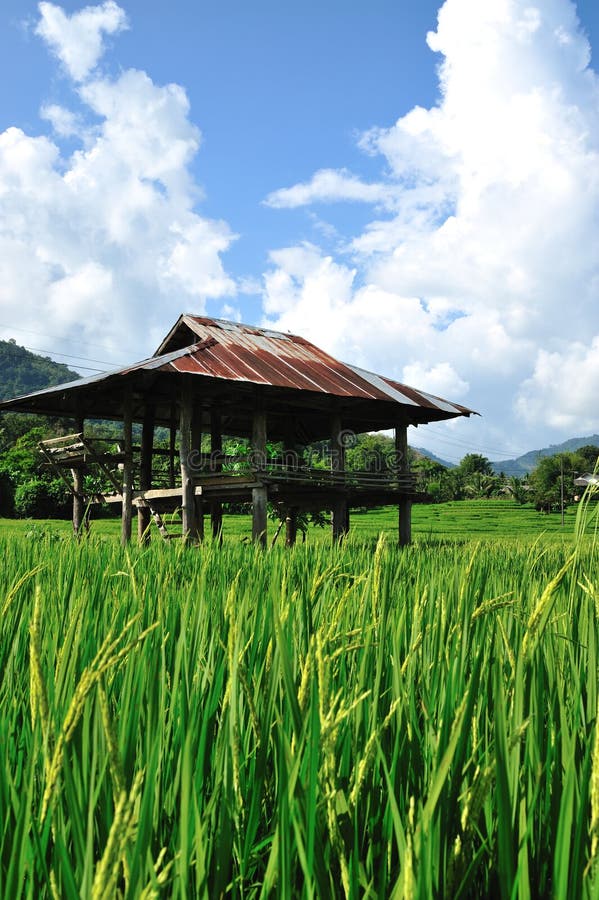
[[318, 722], [459, 520]]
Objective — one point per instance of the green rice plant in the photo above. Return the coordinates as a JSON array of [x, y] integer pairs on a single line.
[[360, 721]]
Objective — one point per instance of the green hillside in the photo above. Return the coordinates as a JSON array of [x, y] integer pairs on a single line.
[[524, 464], [22, 371]]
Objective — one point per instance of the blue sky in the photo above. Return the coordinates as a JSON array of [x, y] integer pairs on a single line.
[[277, 89], [360, 258]]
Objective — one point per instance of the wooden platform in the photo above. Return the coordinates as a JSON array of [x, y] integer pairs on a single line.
[[293, 487], [311, 492]]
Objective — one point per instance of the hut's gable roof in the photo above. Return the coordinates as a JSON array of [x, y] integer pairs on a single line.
[[228, 353], [238, 352]]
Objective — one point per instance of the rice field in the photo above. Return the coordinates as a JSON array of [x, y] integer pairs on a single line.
[[358, 721]]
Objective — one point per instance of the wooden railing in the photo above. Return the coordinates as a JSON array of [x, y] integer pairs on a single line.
[[272, 473], [76, 450]]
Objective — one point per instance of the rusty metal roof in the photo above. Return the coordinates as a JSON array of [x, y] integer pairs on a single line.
[[231, 352], [238, 352]]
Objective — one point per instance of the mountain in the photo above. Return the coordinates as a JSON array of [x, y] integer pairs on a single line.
[[22, 371], [524, 464], [420, 451]]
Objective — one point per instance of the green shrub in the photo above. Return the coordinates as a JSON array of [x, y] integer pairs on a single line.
[[41, 499]]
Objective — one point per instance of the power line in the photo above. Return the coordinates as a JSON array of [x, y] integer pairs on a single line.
[[54, 337], [54, 353], [85, 368], [72, 356], [509, 454]]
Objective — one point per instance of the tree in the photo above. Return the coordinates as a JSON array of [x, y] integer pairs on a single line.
[[475, 463], [27, 487], [481, 486], [518, 488], [371, 453], [546, 481], [585, 459]]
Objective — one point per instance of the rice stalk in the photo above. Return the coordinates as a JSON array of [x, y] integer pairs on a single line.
[[121, 832]]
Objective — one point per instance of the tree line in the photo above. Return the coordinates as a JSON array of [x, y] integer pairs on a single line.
[[28, 488]]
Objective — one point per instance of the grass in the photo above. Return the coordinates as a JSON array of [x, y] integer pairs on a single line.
[[457, 520], [357, 721]]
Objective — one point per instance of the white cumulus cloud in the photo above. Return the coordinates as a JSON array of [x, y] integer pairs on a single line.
[[483, 275], [105, 240], [77, 40], [328, 186]]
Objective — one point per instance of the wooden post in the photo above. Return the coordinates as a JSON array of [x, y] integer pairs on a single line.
[[78, 498], [403, 466], [144, 516], [259, 494], [187, 485], [290, 463], [171, 448], [127, 470], [196, 446], [291, 526], [216, 448], [339, 509], [78, 501]]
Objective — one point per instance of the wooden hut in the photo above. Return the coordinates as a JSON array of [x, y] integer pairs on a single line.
[[214, 377]]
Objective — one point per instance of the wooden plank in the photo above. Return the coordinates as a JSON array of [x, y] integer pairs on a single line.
[[259, 515], [49, 442], [144, 515], [154, 494], [259, 494], [127, 472], [187, 486], [216, 450], [291, 526], [339, 509], [403, 467], [142, 503], [91, 456], [78, 501], [171, 447]]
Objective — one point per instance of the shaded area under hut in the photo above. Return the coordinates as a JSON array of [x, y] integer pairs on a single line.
[[210, 377]]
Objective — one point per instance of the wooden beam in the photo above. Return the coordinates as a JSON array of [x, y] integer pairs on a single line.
[[187, 486], [144, 515], [403, 466], [127, 471], [216, 449], [171, 447], [78, 498], [196, 448], [78, 501], [291, 526], [259, 494], [339, 509]]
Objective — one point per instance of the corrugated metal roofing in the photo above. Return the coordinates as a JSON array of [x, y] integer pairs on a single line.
[[244, 353], [241, 353]]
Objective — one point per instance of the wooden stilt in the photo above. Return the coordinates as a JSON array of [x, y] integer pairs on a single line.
[[127, 471], [291, 527], [216, 448], [405, 503], [196, 449], [340, 513], [259, 494], [78, 497], [78, 501], [144, 515], [171, 448], [187, 485], [259, 515]]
